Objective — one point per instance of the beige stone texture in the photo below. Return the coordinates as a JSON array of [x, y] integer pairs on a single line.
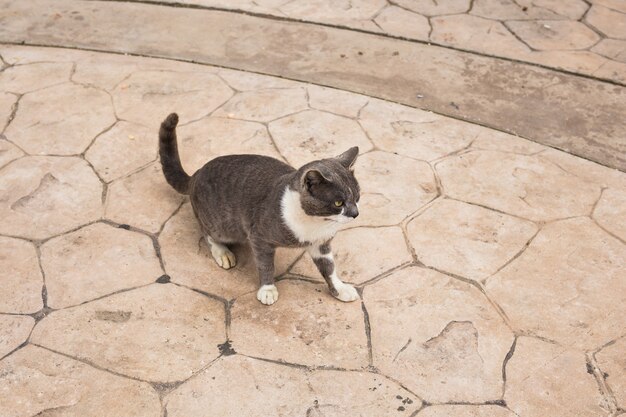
[[20, 291], [188, 260], [401, 22], [147, 97], [313, 134], [306, 326], [467, 240], [584, 62], [332, 10], [612, 70], [95, 261], [611, 48], [14, 331], [617, 5], [386, 246], [559, 287], [435, 8], [554, 34], [7, 101], [466, 411], [201, 141], [159, 333], [22, 79], [68, 118], [392, 187], [608, 21], [48, 196], [143, 200], [529, 9], [476, 33], [342, 103], [122, 150], [264, 105], [545, 379], [246, 81], [37, 382], [416, 133], [493, 140], [438, 336], [8, 152], [287, 391], [611, 212], [612, 361], [527, 186]]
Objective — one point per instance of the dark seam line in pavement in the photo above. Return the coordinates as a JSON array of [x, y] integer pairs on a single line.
[[191, 61], [177, 5]]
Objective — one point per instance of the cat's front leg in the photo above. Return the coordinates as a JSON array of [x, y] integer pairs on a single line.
[[264, 259], [323, 258]]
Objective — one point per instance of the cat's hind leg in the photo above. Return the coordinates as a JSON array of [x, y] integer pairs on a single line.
[[222, 255]]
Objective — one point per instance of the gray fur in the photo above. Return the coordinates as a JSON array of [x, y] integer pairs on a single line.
[[237, 198]]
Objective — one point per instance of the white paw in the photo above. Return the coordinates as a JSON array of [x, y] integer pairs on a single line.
[[224, 257], [267, 294], [346, 292]]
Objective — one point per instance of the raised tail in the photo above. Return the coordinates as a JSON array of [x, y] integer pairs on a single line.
[[170, 160]]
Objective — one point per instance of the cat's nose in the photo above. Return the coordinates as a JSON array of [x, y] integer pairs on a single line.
[[352, 211]]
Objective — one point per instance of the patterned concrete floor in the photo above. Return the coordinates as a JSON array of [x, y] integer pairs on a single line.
[[583, 36], [491, 269]]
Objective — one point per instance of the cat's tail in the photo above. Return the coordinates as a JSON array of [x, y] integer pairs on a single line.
[[170, 160]]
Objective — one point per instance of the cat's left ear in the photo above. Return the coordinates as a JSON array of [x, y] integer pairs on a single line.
[[348, 158]]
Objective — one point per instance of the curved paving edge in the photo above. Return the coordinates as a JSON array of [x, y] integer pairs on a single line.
[[575, 114]]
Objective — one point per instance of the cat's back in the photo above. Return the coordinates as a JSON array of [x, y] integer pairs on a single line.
[[241, 175]]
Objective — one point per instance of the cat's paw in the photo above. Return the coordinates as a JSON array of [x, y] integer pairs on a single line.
[[267, 294], [224, 257], [346, 293]]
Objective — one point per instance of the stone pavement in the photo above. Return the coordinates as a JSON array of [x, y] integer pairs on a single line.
[[491, 268]]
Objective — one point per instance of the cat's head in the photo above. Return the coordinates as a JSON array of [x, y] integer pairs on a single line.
[[329, 189]]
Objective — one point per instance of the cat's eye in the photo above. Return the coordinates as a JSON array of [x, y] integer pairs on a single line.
[[338, 203]]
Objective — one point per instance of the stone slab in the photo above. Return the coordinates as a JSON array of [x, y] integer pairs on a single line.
[[576, 114]]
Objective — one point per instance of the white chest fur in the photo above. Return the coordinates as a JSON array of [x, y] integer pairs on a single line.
[[311, 229]]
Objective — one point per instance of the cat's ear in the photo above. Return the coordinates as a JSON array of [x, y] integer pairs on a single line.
[[348, 158], [313, 177]]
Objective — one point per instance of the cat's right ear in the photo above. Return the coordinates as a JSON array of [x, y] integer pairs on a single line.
[[313, 177]]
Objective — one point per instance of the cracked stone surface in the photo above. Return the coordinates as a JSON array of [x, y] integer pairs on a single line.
[[535, 375], [307, 326], [35, 381], [14, 331], [159, 333], [201, 141], [20, 276], [386, 244], [264, 105], [392, 187], [526, 186], [445, 334], [26, 78], [610, 22], [143, 200], [121, 150], [188, 260], [94, 261], [555, 34], [467, 240], [288, 391], [401, 22], [559, 286], [147, 97], [612, 362], [44, 196], [437, 193], [68, 118], [313, 134]]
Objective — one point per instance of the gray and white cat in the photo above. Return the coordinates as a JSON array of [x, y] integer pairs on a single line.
[[269, 204]]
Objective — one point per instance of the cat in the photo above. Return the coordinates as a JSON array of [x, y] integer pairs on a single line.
[[269, 204]]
